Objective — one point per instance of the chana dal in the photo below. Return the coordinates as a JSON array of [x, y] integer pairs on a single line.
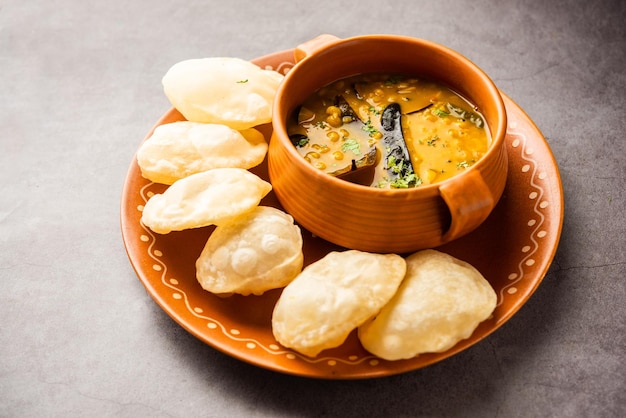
[[401, 131]]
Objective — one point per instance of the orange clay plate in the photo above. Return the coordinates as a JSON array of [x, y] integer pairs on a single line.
[[513, 249]]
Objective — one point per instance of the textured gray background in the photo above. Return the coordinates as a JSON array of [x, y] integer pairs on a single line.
[[80, 88]]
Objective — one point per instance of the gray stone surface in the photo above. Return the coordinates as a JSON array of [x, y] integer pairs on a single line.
[[80, 85]]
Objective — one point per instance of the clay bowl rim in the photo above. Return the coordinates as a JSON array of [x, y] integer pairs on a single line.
[[280, 129]]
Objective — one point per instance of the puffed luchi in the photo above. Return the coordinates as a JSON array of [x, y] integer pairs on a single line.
[[178, 149], [212, 197], [256, 252], [440, 302], [333, 296], [225, 90]]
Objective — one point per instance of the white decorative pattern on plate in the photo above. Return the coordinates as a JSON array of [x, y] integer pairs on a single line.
[[518, 142]]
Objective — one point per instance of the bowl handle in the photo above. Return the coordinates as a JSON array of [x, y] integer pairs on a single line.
[[309, 47], [469, 200]]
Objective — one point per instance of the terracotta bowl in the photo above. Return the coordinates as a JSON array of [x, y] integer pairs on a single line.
[[382, 220]]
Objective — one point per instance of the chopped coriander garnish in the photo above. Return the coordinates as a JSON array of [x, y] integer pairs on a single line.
[[403, 181], [409, 180], [432, 140], [242, 81], [394, 165], [299, 140], [374, 110], [351, 145], [440, 113], [369, 128]]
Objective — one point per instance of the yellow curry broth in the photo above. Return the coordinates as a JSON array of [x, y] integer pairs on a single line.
[[443, 133]]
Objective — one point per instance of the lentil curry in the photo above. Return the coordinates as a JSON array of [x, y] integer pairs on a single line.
[[396, 131]]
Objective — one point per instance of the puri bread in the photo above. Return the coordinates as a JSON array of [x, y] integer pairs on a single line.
[[225, 90], [256, 252], [332, 296], [440, 302], [179, 149], [212, 197]]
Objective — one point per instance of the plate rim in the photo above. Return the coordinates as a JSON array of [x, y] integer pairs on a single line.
[[310, 372]]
